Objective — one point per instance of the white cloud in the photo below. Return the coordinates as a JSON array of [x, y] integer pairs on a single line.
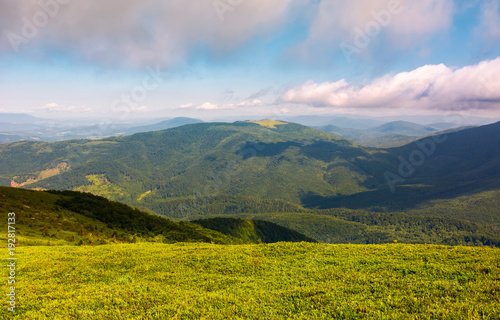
[[140, 33], [169, 32], [212, 106], [250, 103], [185, 106], [428, 87], [405, 23], [54, 107], [228, 106], [422, 17], [489, 27], [139, 109]]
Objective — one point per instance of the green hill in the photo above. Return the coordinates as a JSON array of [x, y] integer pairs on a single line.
[[465, 220], [363, 227], [244, 159], [445, 166], [69, 218], [256, 231], [258, 168]]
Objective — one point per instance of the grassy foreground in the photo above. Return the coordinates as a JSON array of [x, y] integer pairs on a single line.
[[276, 281]]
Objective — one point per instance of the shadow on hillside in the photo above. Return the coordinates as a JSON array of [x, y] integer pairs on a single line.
[[255, 149], [327, 151], [321, 150], [404, 198]]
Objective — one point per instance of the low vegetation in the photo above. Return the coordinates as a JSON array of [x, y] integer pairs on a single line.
[[276, 281]]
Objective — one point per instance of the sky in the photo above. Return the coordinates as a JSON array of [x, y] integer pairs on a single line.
[[210, 59]]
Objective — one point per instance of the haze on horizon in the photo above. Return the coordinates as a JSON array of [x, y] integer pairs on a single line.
[[226, 58]]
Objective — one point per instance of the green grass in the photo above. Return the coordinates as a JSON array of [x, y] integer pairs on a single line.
[[277, 281]]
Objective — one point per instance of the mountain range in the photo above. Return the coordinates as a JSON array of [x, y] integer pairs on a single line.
[[389, 134], [22, 127], [271, 168]]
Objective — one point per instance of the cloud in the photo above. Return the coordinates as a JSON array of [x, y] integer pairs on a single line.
[[250, 103], [139, 33], [212, 106], [261, 93], [429, 87], [185, 106], [139, 109], [170, 32], [391, 24], [228, 106], [489, 26], [54, 107]]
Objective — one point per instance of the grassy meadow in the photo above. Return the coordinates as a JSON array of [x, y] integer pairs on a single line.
[[265, 281]]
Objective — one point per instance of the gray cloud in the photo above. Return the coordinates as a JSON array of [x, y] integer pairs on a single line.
[[137, 33], [364, 25]]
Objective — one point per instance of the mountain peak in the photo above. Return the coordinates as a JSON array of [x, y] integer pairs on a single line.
[[268, 123]]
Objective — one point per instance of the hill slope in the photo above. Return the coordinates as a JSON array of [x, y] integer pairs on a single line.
[[77, 218], [256, 231], [70, 218], [244, 159], [203, 168], [437, 167]]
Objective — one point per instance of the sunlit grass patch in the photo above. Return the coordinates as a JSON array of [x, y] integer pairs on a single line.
[[283, 280]]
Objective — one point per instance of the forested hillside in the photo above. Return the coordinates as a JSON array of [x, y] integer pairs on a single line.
[[300, 175], [74, 218], [244, 159]]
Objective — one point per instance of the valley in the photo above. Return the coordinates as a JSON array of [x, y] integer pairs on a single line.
[[261, 160], [233, 209], [327, 187]]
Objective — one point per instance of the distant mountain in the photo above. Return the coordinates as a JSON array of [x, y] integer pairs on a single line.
[[438, 122], [14, 137], [427, 120], [59, 131], [401, 128], [357, 123], [163, 125], [443, 125], [351, 134], [386, 134], [19, 118]]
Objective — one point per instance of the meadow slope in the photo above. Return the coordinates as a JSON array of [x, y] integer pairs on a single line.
[[276, 281]]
